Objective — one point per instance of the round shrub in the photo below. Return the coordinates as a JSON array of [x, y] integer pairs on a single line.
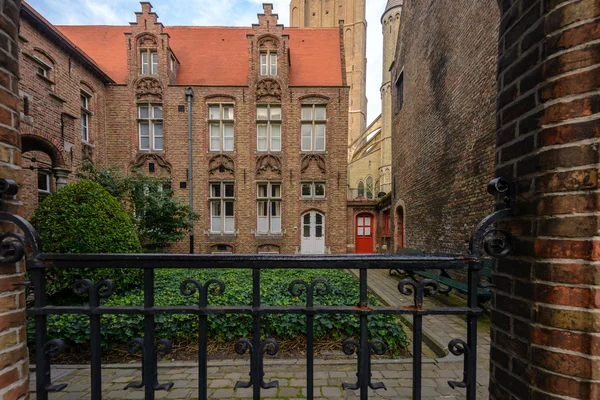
[[83, 217]]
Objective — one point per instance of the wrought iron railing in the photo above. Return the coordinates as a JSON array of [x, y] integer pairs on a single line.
[[25, 243]]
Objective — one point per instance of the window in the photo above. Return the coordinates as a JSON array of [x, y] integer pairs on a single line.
[[172, 63], [269, 208], [150, 126], [43, 68], [268, 128], [313, 128], [268, 63], [220, 120], [43, 185], [222, 198], [369, 188], [400, 92], [361, 189], [84, 100], [149, 60], [313, 190]]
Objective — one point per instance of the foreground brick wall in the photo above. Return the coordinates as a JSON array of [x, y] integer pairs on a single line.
[[443, 138], [14, 368], [545, 321]]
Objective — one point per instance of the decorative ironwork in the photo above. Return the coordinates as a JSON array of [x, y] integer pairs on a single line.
[[269, 346], [162, 347], [23, 241], [376, 346], [425, 287], [458, 347], [52, 348]]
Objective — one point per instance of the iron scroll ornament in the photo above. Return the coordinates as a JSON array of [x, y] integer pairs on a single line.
[[162, 347], [53, 348], [494, 241], [351, 346], [269, 346], [458, 347], [420, 289], [190, 286]]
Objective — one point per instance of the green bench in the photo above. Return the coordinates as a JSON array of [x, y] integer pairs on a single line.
[[483, 294]]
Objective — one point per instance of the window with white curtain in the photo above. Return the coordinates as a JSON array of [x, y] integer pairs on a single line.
[[314, 118], [150, 127], [268, 63], [268, 128], [222, 204], [220, 122], [268, 200]]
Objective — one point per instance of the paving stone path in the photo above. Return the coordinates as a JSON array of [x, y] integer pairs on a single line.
[[291, 374]]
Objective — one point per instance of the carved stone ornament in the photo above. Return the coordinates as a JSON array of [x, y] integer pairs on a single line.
[[268, 88], [147, 41], [142, 159], [268, 42], [148, 89], [221, 163], [87, 152], [268, 163], [317, 159]]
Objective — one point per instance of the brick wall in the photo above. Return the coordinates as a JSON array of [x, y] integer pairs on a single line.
[[443, 138], [545, 329], [14, 366], [122, 139]]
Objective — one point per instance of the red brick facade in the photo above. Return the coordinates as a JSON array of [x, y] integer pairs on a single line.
[[444, 135], [545, 328], [14, 365], [114, 135]]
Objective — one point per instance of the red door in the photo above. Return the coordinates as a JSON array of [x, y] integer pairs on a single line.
[[364, 234]]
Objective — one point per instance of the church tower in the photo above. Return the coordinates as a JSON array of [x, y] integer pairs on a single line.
[[328, 13], [390, 22]]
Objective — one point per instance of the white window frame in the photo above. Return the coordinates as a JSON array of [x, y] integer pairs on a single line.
[[149, 66], [313, 123], [268, 63], [224, 223], [42, 193], [273, 203], [269, 123], [313, 192], [226, 142], [152, 121], [84, 100], [43, 68]]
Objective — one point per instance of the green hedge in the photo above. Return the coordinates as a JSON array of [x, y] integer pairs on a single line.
[[118, 329], [82, 217]]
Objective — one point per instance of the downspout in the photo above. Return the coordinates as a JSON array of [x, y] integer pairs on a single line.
[[189, 94]]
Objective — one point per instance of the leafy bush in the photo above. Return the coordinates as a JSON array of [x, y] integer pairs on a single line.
[[118, 329], [82, 217], [159, 219]]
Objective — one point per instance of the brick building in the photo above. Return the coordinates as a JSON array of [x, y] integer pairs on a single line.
[[269, 135], [443, 140]]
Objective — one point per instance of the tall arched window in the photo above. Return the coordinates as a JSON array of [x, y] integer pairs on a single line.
[[369, 188], [361, 189]]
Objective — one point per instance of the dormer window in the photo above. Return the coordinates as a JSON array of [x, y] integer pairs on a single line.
[[268, 63], [149, 59]]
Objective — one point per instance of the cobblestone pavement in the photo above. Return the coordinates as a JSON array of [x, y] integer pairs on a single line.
[[291, 374]]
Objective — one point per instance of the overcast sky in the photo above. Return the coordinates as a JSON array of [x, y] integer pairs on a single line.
[[209, 12]]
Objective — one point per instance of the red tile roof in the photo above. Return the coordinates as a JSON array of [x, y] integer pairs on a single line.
[[216, 55]]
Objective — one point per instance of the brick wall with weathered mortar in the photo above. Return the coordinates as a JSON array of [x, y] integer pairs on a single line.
[[14, 366], [443, 138], [545, 325]]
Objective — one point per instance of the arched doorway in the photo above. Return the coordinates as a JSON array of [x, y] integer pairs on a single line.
[[364, 234], [313, 233], [399, 228]]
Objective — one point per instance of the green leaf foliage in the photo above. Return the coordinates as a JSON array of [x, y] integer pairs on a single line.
[[159, 219], [118, 329], [82, 217]]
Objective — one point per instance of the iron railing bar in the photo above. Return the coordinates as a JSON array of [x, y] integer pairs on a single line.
[[256, 361], [247, 310], [39, 287], [96, 349], [471, 353], [364, 350], [149, 367]]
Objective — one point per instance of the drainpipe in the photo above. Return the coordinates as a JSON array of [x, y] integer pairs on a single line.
[[189, 94]]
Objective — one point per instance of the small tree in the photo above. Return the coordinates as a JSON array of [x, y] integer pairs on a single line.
[[160, 220], [82, 217]]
